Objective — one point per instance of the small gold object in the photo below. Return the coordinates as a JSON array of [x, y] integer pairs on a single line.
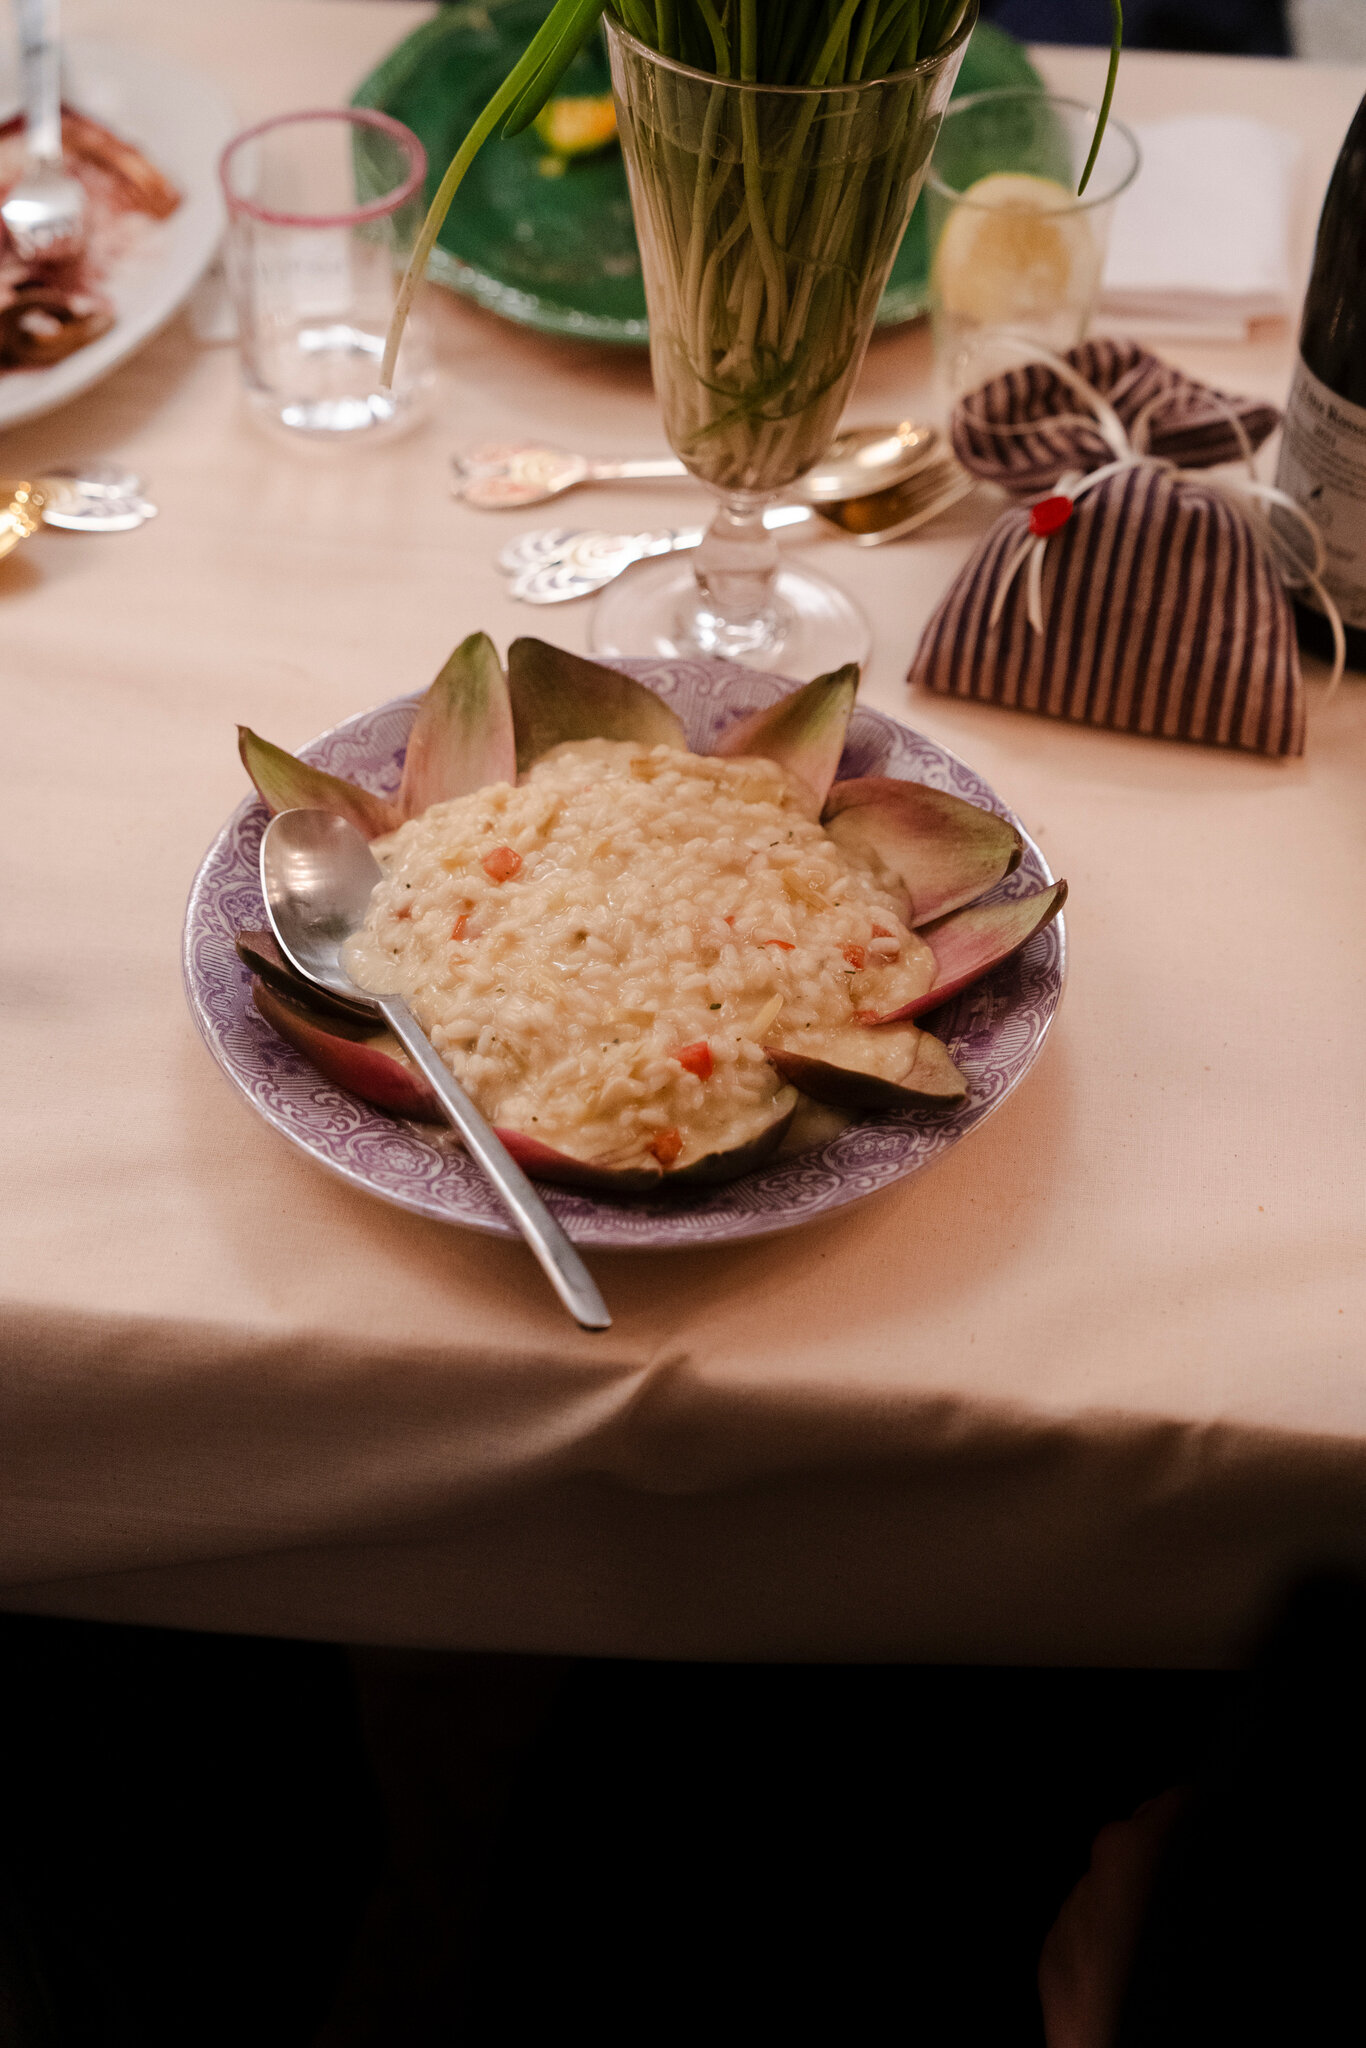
[[21, 512]]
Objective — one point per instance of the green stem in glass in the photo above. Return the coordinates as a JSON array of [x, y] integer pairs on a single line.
[[1116, 44], [790, 207]]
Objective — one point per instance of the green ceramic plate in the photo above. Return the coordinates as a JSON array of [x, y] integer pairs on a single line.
[[558, 252]]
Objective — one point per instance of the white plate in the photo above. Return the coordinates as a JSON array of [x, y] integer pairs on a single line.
[[181, 121]]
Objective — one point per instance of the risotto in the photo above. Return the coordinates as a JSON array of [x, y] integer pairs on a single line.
[[601, 953]]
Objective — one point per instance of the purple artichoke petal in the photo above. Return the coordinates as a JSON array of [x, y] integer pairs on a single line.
[[731, 1161], [259, 953], [803, 732], [637, 1177], [544, 1162], [970, 943], [462, 737], [946, 852], [557, 697], [930, 1079], [286, 784], [349, 1056]]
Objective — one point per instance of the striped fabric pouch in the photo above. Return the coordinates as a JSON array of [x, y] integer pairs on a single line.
[[1133, 593]]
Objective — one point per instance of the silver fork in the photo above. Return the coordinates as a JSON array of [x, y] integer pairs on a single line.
[[45, 211]]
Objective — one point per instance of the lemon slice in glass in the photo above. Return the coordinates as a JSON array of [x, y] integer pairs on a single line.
[[1014, 246]]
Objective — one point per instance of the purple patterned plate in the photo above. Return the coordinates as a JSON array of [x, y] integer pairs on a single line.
[[994, 1031]]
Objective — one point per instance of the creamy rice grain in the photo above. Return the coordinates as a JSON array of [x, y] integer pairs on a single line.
[[600, 953]]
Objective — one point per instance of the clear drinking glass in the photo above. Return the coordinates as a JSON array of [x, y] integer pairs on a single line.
[[768, 218], [1016, 256], [323, 211]]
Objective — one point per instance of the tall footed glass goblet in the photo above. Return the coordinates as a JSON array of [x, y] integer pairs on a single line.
[[768, 218]]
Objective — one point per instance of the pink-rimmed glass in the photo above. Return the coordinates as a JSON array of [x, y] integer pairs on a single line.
[[324, 207]]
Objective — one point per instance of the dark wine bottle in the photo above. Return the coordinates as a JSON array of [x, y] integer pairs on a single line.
[[1323, 446]]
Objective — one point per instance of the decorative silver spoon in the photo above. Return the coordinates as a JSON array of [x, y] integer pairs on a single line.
[[99, 497], [554, 565], [509, 476], [44, 210], [317, 875]]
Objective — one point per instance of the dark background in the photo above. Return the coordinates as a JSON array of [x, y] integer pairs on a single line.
[[1252, 28]]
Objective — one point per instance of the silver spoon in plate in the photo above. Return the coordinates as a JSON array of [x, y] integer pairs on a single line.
[[317, 875], [509, 476]]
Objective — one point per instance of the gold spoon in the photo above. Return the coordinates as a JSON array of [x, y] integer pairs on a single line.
[[509, 476]]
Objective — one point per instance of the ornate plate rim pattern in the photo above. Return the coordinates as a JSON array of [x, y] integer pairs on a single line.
[[995, 1030]]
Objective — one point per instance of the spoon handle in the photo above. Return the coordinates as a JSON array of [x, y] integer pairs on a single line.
[[645, 465], [552, 565], [41, 56], [556, 1256]]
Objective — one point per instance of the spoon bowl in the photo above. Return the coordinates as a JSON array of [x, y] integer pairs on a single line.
[[97, 497], [863, 460], [317, 877], [44, 215]]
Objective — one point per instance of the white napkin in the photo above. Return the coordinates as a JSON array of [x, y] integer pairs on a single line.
[[1200, 243]]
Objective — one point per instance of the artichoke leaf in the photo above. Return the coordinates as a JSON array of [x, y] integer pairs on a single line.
[[370, 1063], [284, 783], [636, 1173], [945, 852], [261, 956], [898, 1068], [803, 732], [968, 944], [557, 696], [728, 1162], [546, 1162], [462, 737]]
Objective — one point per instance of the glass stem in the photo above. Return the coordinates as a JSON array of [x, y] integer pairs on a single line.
[[737, 565]]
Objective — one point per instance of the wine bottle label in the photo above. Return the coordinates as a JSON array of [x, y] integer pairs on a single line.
[[1323, 467]]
